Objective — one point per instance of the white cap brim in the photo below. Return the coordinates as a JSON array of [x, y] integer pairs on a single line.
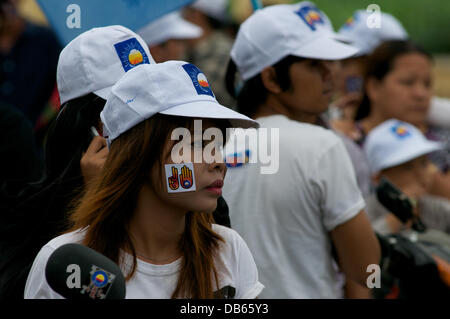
[[418, 151], [343, 39], [326, 48], [211, 110], [185, 30], [104, 93], [172, 26]]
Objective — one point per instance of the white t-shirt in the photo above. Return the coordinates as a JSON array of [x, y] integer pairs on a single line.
[[285, 218], [235, 267]]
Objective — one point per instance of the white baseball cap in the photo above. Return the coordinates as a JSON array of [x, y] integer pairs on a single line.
[[216, 9], [394, 142], [96, 59], [170, 26], [366, 38], [324, 23], [272, 33], [173, 88]]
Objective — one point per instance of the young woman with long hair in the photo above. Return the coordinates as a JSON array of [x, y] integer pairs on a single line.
[[164, 239]]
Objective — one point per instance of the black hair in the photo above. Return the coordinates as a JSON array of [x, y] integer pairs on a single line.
[[253, 92], [36, 213], [70, 135], [380, 63]]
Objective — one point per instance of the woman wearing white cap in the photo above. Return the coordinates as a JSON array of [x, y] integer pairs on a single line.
[[292, 218], [150, 215]]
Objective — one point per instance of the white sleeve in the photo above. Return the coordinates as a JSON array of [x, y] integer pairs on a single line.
[[339, 195], [36, 286], [247, 283], [439, 114]]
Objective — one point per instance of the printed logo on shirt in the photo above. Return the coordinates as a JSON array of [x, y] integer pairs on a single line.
[[237, 159], [101, 282], [199, 80], [400, 130], [311, 15], [131, 54]]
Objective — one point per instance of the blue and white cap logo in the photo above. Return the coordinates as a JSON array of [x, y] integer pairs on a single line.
[[311, 15], [400, 130], [350, 23], [199, 80], [131, 53]]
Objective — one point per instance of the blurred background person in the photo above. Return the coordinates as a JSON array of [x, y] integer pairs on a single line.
[[20, 160], [211, 51], [397, 151], [28, 58], [349, 82], [398, 84], [166, 37]]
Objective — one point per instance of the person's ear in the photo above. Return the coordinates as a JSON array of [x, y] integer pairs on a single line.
[[373, 88], [270, 80], [158, 52], [376, 178]]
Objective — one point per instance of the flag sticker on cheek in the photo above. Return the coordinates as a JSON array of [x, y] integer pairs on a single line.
[[180, 177]]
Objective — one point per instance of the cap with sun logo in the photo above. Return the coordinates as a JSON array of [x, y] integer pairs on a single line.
[[96, 59], [277, 31], [173, 88], [394, 142]]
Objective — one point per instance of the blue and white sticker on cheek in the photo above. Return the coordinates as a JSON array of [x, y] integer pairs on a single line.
[[180, 177]]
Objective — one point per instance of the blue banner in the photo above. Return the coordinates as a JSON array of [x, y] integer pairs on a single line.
[[69, 18]]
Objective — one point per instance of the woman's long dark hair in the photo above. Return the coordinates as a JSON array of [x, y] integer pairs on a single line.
[[380, 63], [108, 205], [70, 135], [36, 213]]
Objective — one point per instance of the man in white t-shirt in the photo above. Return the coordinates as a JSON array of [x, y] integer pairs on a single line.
[[292, 214]]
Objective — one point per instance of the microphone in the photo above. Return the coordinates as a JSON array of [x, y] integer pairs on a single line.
[[79, 272]]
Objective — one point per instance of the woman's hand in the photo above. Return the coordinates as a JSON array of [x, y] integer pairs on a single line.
[[93, 159]]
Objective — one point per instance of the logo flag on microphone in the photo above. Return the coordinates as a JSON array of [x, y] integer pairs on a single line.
[[101, 282]]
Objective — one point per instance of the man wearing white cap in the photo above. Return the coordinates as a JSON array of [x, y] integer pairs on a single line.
[[165, 36], [291, 219], [398, 151], [357, 155]]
